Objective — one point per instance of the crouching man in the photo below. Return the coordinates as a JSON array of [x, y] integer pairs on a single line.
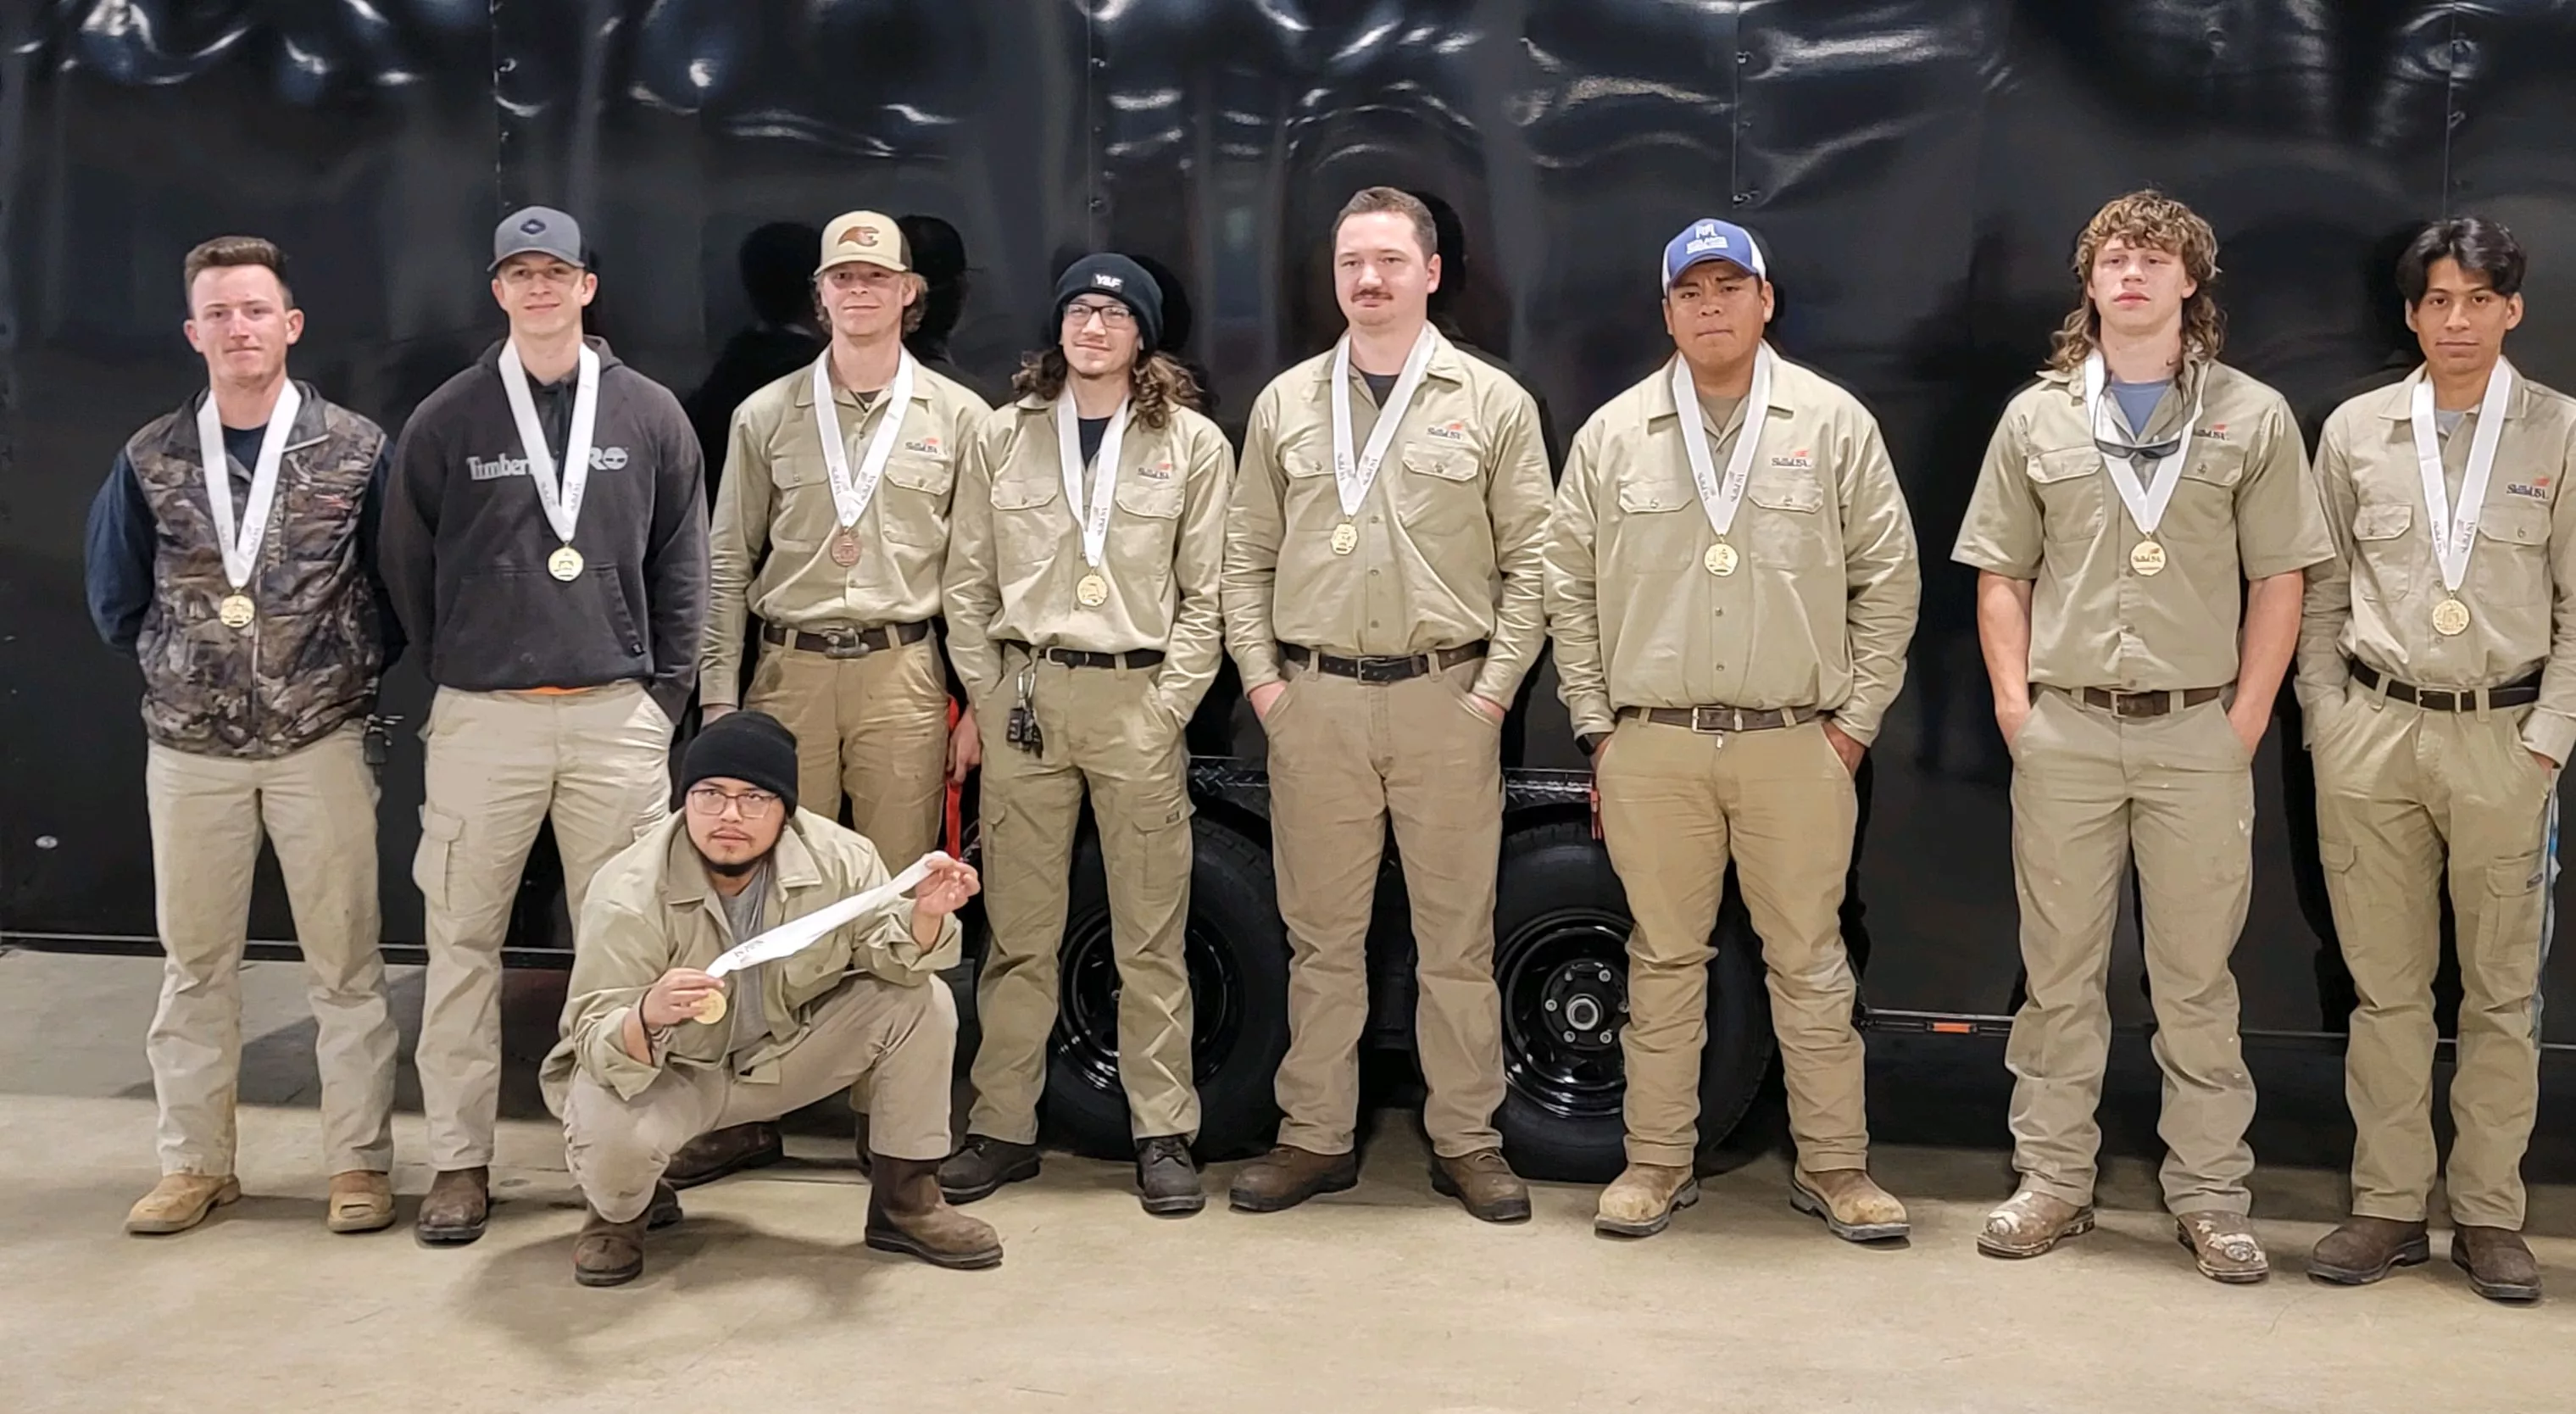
[[641, 1070]]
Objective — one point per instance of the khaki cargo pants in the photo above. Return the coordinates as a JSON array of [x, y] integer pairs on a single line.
[[499, 765], [901, 1041], [1347, 757], [1675, 805], [875, 727], [1103, 730], [317, 807], [2091, 792], [2408, 800]]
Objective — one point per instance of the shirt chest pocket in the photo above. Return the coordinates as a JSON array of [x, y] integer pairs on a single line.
[[2203, 509], [1309, 502], [2381, 544], [913, 500], [1660, 527], [1789, 520], [1147, 519], [2511, 563], [1438, 493], [1027, 520], [2069, 485]]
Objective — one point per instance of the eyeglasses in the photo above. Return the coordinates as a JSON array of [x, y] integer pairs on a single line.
[[709, 802], [1111, 315]]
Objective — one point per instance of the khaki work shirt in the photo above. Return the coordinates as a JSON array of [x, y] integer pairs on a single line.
[[2374, 601], [1015, 557], [1821, 606], [2044, 509], [652, 908], [770, 547], [1451, 535]]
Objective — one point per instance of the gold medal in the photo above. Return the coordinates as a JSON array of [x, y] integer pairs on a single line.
[[2450, 617], [2148, 558], [712, 1010], [564, 564], [1346, 538], [1720, 559], [1091, 591], [236, 611], [845, 547]]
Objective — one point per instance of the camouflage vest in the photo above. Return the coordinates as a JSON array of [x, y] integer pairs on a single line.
[[307, 664]]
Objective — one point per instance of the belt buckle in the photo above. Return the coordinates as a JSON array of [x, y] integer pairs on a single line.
[[1380, 670], [846, 644], [1707, 719]]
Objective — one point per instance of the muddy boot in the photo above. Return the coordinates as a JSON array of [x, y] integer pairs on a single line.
[[1484, 1185], [2031, 1222], [1288, 1176], [612, 1254], [981, 1168], [1167, 1179], [1853, 1206], [2498, 1261], [718, 1152], [360, 1202], [1644, 1198], [458, 1205], [180, 1201], [2224, 1246], [2365, 1249], [907, 1214]]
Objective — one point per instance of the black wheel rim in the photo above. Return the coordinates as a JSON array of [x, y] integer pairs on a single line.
[[1564, 982], [1086, 1025]]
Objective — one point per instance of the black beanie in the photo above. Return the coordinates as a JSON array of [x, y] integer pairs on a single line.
[[1122, 280], [751, 747]]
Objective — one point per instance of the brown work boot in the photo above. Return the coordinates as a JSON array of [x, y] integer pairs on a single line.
[[2224, 1246], [718, 1152], [2498, 1261], [1642, 1200], [1483, 1184], [980, 1168], [2365, 1249], [361, 1201], [180, 1201], [2031, 1222], [1288, 1176], [1167, 1178], [458, 1204], [907, 1214], [1853, 1206], [612, 1254]]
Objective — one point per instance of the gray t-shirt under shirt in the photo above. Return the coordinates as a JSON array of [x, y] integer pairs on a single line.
[[2138, 401], [744, 912]]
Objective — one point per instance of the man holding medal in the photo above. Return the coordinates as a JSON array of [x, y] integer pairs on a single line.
[[1732, 582], [1384, 590], [2134, 504], [229, 552], [1083, 619], [686, 1010], [2437, 666], [545, 537]]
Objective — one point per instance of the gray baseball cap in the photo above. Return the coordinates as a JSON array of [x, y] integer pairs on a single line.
[[540, 230]]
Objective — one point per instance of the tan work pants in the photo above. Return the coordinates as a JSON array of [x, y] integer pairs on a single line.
[[874, 726]]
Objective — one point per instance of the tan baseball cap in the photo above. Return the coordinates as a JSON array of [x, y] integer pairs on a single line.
[[863, 236]]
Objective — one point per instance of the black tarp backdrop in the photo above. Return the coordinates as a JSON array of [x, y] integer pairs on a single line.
[[1917, 169]]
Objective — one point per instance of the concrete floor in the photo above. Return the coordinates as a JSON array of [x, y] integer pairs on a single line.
[[1384, 1299]]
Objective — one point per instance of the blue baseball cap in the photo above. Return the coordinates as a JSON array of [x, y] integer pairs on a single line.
[[1711, 240]]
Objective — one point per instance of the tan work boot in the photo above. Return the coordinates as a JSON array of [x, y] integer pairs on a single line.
[[2031, 1222], [2498, 1261], [2365, 1249], [1642, 1200], [361, 1201], [2224, 1246], [180, 1201], [1288, 1176], [1852, 1204], [1483, 1184], [458, 1205], [907, 1214]]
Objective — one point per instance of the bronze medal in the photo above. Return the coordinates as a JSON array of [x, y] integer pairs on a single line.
[[2450, 618], [236, 611], [2148, 558], [1346, 538], [845, 547], [1091, 591], [1721, 559]]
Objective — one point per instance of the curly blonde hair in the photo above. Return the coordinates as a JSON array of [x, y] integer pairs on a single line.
[[1156, 385], [2156, 221]]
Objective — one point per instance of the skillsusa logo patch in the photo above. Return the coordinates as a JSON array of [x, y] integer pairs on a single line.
[[2536, 489], [1454, 430], [927, 446], [1802, 459], [1155, 471]]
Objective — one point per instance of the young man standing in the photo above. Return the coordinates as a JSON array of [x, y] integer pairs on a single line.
[[1732, 582], [229, 552], [2135, 503], [1384, 589], [2437, 666], [545, 537], [1082, 613]]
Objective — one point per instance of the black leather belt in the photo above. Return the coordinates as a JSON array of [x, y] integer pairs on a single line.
[[1723, 719], [2142, 704], [846, 642], [1383, 669], [2434, 699], [1085, 658]]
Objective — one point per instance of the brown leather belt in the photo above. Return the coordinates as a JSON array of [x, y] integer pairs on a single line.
[[1085, 658], [1723, 719], [845, 643], [1383, 669], [2142, 704], [2434, 699]]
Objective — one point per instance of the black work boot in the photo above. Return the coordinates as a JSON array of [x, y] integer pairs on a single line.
[[718, 1152], [1167, 1179], [981, 1168], [2365, 1249]]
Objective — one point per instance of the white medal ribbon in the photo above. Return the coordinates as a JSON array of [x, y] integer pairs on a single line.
[[240, 544], [561, 502], [797, 934], [1068, 449], [2146, 503], [1721, 498], [1352, 476], [2455, 533], [851, 495]]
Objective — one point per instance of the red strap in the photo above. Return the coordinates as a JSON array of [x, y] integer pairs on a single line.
[[956, 825]]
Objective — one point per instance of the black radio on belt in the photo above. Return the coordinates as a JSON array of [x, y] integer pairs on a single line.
[[377, 741], [1021, 728]]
